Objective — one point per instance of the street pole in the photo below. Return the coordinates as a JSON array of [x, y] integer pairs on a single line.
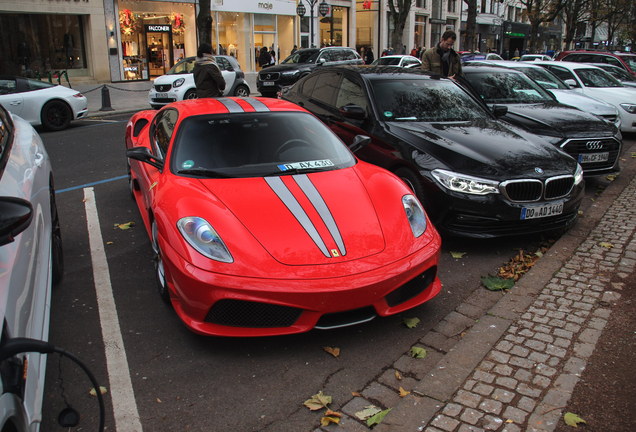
[[301, 10]]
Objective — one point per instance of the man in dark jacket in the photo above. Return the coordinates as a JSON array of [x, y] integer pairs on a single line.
[[441, 58], [207, 75]]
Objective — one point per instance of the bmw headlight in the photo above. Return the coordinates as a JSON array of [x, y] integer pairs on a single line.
[[201, 236], [178, 83], [465, 183], [630, 108], [415, 214], [290, 73], [578, 174]]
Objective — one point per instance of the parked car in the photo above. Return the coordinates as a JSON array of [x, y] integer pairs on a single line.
[[407, 61], [475, 175], [277, 228], [595, 82], [478, 56], [178, 83], [561, 91], [626, 61], [627, 79], [41, 103], [593, 142], [31, 260], [300, 64], [534, 57]]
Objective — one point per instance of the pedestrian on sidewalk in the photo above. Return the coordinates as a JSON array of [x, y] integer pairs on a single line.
[[207, 75], [441, 58]]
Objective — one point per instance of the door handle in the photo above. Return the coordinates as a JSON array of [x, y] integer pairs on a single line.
[[39, 158], [15, 102]]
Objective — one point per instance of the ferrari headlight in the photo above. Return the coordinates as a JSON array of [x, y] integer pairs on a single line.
[[201, 236], [415, 214], [178, 83], [578, 174], [465, 183], [630, 108]]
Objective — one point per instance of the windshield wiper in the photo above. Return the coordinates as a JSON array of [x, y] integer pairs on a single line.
[[206, 173]]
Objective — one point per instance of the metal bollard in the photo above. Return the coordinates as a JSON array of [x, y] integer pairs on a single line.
[[106, 100]]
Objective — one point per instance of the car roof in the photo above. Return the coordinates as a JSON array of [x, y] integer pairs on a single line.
[[489, 68], [568, 65], [381, 71]]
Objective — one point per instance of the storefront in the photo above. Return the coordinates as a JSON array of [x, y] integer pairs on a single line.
[[242, 27], [42, 37], [154, 36]]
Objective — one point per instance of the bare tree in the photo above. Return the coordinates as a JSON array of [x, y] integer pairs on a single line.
[[399, 15], [204, 22], [539, 12], [471, 25], [573, 12]]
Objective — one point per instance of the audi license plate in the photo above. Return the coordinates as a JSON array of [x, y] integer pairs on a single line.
[[541, 211], [162, 95], [594, 157], [268, 83]]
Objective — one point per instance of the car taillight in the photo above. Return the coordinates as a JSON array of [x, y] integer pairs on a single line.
[[78, 95]]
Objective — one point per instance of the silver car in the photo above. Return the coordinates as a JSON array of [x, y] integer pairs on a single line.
[[30, 262]]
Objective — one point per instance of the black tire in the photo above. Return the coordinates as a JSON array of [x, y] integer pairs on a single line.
[[414, 182], [160, 273], [56, 115], [242, 91], [57, 251], [190, 94]]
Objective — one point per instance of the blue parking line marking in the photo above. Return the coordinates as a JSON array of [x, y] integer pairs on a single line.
[[91, 184]]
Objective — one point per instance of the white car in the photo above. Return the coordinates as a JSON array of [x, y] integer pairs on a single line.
[[30, 262], [407, 61], [595, 82], [620, 74], [562, 92], [41, 103], [178, 83], [534, 57]]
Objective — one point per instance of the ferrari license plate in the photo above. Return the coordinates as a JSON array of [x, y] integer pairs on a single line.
[[268, 83], [594, 157], [162, 95], [541, 211]]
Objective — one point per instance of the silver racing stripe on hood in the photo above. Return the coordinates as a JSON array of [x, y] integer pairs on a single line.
[[231, 105], [321, 207], [256, 104], [296, 209]]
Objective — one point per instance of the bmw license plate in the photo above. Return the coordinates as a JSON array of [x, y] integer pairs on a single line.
[[594, 157], [268, 83], [541, 211], [162, 95]]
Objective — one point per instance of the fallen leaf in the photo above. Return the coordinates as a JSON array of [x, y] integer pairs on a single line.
[[101, 389], [368, 411], [493, 283], [355, 394], [109, 243], [572, 419], [333, 351], [159, 400], [634, 155], [417, 352], [403, 392], [85, 199], [606, 245], [611, 177], [332, 413], [125, 226], [397, 375], [509, 421], [318, 401], [376, 419], [330, 417], [411, 322], [457, 254]]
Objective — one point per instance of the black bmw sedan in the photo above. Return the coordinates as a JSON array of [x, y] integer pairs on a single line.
[[475, 175], [592, 141]]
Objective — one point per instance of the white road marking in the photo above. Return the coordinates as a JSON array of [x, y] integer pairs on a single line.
[[121, 390]]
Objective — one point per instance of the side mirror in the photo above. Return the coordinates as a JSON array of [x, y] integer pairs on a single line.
[[499, 110], [353, 112], [143, 154], [572, 83], [321, 61], [15, 216], [359, 142]]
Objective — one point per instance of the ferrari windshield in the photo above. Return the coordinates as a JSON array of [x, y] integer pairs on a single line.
[[424, 99], [507, 88], [256, 145]]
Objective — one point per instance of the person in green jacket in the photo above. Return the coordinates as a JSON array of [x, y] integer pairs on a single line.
[[441, 58]]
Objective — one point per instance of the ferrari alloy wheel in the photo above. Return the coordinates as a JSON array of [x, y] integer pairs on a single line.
[[57, 253], [190, 94], [56, 115], [160, 272], [242, 91]]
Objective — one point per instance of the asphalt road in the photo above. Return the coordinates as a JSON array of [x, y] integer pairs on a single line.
[[182, 381]]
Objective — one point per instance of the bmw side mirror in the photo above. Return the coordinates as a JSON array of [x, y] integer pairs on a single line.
[[353, 112], [499, 110], [15, 216], [359, 142], [570, 82], [143, 154]]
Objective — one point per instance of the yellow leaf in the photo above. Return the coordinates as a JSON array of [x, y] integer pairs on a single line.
[[152, 186], [125, 226], [411, 322], [509, 421], [159, 400], [606, 245], [403, 392], [457, 254], [326, 420], [317, 401], [101, 389], [85, 199], [355, 394], [333, 351], [330, 413], [572, 419], [109, 243], [397, 375]]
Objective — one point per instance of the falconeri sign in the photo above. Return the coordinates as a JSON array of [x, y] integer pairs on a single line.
[[157, 28]]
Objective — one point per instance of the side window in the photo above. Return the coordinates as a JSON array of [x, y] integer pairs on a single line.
[[223, 63], [181, 68], [7, 86], [351, 93], [562, 73], [308, 85], [613, 61], [162, 130], [571, 57], [326, 54], [349, 55], [326, 87], [338, 55]]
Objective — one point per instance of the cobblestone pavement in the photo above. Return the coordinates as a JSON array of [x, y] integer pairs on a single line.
[[510, 363]]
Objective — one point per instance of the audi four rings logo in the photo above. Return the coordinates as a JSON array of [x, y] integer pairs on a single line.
[[594, 145]]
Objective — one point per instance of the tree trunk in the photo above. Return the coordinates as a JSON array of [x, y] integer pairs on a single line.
[[471, 25], [399, 17], [204, 23]]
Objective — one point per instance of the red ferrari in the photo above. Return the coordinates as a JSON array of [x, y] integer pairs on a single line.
[[264, 222]]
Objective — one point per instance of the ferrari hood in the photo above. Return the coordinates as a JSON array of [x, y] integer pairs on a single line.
[[309, 219]]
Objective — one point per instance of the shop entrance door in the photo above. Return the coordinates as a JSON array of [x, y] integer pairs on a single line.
[[159, 41], [267, 40]]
